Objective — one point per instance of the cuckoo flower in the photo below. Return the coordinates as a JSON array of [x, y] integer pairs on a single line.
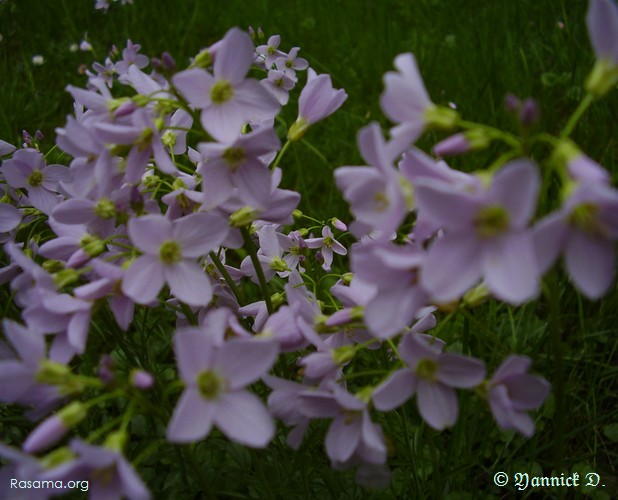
[[109, 473], [512, 392], [585, 229], [393, 271], [328, 245], [317, 100], [215, 389], [238, 164], [406, 102], [170, 249], [486, 235], [377, 195], [226, 98], [432, 375], [27, 170], [352, 436]]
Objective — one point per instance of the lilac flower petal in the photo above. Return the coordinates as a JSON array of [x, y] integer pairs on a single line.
[[343, 437], [148, 233], [162, 158], [510, 269], [602, 23], [132, 486], [456, 370], [143, 280], [194, 84], [417, 346], [224, 121], [515, 187], [254, 186], [199, 233], [527, 392], [43, 199], [549, 236], [591, 263], [257, 102], [192, 419], [123, 310], [393, 309], [9, 217], [242, 362], [188, 283], [452, 267], [437, 404], [445, 205], [53, 174], [216, 185], [405, 98], [395, 390], [318, 405], [242, 417], [372, 441], [234, 56], [29, 345], [513, 365], [506, 417], [194, 352]]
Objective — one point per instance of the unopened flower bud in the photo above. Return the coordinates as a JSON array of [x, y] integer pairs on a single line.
[[106, 369], [116, 441], [529, 114], [141, 379], [512, 104], [337, 224], [168, 61], [441, 117], [203, 59], [54, 428], [53, 266], [297, 214], [243, 217], [66, 277], [39, 136]]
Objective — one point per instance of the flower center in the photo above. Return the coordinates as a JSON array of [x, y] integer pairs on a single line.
[[170, 252], [35, 179], [380, 201], [210, 384], [234, 157], [105, 208], [585, 218], [491, 221], [426, 369], [222, 91]]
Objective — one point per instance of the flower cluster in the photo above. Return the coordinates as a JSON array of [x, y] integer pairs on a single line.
[[171, 202]]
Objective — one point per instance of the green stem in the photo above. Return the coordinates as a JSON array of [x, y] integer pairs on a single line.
[[228, 279], [281, 153], [577, 114], [250, 247]]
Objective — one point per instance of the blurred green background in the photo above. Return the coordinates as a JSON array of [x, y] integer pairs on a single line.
[[470, 53]]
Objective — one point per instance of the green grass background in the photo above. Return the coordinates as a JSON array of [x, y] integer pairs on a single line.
[[471, 53]]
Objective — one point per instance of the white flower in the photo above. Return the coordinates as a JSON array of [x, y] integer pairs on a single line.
[[38, 60]]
